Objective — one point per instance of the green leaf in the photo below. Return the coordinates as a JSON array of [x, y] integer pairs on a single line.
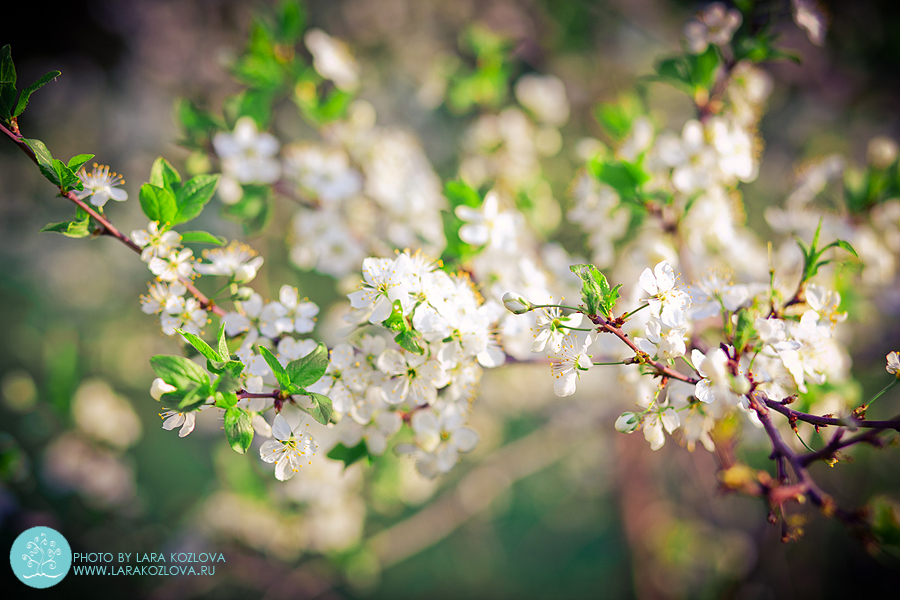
[[7, 83], [460, 194], [202, 237], [201, 346], [842, 244], [348, 456], [308, 369], [408, 341], [77, 228], [291, 21], [596, 294], [321, 408], [238, 429], [67, 178], [617, 118], [27, 92], [158, 204], [194, 399], [227, 382], [76, 162], [179, 371], [704, 67], [222, 343], [396, 321], [193, 197], [44, 159], [164, 175], [280, 374], [225, 399]]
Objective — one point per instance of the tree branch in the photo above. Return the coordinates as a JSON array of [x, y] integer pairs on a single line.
[[107, 228]]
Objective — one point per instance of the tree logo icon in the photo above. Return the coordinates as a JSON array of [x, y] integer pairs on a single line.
[[40, 557]]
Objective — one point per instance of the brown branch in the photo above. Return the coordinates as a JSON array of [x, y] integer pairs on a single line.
[[851, 422], [107, 228], [661, 368], [806, 483]]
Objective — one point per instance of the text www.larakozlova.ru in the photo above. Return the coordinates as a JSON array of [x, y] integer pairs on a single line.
[[123, 568]]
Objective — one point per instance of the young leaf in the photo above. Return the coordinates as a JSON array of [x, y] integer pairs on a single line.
[[407, 341], [842, 244], [7, 83], [321, 408], [309, 369], [202, 237], [595, 292], [348, 456], [194, 399], [280, 374], [44, 159], [164, 175], [76, 162], [194, 196], [238, 430], [77, 228], [225, 399], [201, 346], [224, 353], [67, 178], [179, 371], [27, 92], [158, 204]]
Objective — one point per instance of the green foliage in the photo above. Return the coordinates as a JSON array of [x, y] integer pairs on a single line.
[[10, 108], [308, 369], [202, 237], [625, 177], [348, 456], [691, 73], [457, 251], [301, 373], [617, 118], [238, 429], [871, 186], [406, 336], [884, 517], [487, 84], [166, 200], [744, 331], [812, 254], [596, 295], [189, 379]]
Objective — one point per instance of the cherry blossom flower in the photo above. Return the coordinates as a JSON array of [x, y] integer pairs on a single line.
[[248, 156], [288, 449], [384, 282], [714, 25], [155, 243], [893, 364], [551, 328], [659, 418], [173, 419], [667, 302], [488, 225], [414, 379], [173, 266], [183, 314], [100, 186], [332, 59], [567, 364], [238, 261]]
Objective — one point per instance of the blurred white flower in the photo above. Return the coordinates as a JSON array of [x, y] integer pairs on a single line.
[[332, 60]]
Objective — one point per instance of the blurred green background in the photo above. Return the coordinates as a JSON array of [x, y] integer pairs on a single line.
[[541, 510]]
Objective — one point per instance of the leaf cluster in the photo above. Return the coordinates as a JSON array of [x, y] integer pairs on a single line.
[[596, 295], [812, 254], [13, 102], [300, 374]]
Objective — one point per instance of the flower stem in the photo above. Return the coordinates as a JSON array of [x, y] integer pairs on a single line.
[[639, 308], [881, 393]]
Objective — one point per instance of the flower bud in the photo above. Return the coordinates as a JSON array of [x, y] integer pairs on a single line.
[[628, 422], [160, 387], [515, 303], [243, 294], [740, 385]]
